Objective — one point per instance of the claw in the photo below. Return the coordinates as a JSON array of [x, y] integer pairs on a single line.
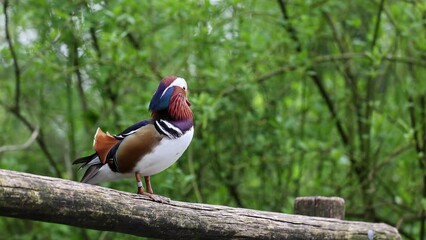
[[149, 192], [155, 198]]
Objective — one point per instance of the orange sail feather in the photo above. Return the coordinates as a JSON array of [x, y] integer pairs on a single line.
[[102, 143]]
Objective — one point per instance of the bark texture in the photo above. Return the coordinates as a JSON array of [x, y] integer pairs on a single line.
[[329, 207], [35, 197]]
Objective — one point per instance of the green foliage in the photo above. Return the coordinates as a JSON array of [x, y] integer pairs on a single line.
[[269, 94]]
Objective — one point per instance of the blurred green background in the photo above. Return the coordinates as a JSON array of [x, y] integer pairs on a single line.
[[291, 98]]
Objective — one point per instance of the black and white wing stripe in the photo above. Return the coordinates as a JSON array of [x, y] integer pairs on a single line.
[[166, 128]]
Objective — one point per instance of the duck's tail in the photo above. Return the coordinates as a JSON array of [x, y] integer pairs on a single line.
[[92, 165]]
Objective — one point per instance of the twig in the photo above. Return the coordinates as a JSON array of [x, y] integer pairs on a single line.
[[389, 158], [133, 41], [406, 60], [275, 73], [316, 61], [412, 115], [288, 26], [95, 42], [21, 146], [332, 110], [377, 26], [136, 45], [334, 31], [77, 69], [370, 91], [338, 57], [40, 140], [192, 171], [14, 57], [349, 77], [108, 88], [422, 103]]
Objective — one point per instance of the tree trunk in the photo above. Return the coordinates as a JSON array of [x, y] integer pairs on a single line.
[[56, 200]]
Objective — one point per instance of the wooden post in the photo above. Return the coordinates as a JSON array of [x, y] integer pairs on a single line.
[[328, 207]]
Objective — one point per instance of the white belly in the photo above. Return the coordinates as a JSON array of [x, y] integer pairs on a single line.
[[164, 155]]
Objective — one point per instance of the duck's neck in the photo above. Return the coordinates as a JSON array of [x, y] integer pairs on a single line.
[[182, 124]]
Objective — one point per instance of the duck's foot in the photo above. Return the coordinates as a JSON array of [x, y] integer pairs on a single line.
[[155, 198]]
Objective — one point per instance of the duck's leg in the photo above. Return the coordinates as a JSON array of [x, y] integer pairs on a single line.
[[148, 184], [139, 182], [149, 191]]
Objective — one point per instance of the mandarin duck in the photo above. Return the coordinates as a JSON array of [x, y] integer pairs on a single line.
[[147, 147]]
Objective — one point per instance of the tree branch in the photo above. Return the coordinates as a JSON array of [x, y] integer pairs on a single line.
[[21, 146], [14, 57], [136, 45], [15, 109], [349, 77], [395, 153], [55, 200], [338, 57], [412, 115], [40, 139], [288, 26], [75, 62], [377, 25], [420, 146], [316, 78], [95, 42]]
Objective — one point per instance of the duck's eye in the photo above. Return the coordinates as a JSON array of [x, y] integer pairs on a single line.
[[184, 88]]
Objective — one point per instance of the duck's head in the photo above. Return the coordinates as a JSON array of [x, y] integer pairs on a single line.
[[170, 99]]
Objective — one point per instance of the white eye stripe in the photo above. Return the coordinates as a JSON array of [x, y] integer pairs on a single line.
[[180, 82]]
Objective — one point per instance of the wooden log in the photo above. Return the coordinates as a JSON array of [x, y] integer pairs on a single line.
[[328, 207], [35, 197]]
